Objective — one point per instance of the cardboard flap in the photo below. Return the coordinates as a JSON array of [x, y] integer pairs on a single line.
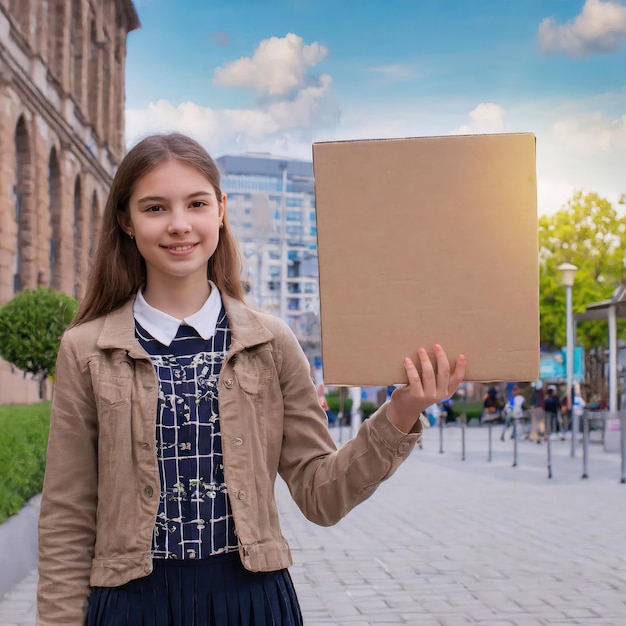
[[428, 240]]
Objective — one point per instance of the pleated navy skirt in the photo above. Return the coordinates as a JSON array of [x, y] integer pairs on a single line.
[[216, 591]]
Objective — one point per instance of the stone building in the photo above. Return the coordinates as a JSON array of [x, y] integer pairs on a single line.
[[61, 137]]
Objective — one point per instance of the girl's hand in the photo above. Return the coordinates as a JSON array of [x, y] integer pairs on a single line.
[[409, 401]]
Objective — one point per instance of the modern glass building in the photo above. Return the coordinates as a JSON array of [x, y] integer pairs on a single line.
[[271, 209]]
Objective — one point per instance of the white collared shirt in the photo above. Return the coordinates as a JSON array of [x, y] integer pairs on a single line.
[[163, 327]]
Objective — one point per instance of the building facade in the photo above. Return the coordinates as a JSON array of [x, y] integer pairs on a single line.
[[271, 208], [61, 135]]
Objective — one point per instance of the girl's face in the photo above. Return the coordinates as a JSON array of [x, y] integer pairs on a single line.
[[175, 217]]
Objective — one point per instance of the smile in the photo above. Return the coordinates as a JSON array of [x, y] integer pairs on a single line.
[[182, 248]]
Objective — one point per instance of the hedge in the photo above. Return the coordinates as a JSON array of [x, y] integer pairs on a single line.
[[23, 440]]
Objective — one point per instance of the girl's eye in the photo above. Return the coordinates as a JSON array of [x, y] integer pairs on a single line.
[[154, 208], [198, 204]]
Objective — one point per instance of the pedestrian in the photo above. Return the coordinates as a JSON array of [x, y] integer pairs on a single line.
[[552, 407], [176, 405], [491, 406], [516, 410]]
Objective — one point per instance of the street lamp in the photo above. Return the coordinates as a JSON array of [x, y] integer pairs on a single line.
[[568, 272]]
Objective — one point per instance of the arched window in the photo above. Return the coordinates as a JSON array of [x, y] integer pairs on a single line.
[[79, 225], [54, 191], [94, 224], [23, 261]]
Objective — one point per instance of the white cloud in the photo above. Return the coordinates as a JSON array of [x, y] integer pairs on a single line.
[[286, 127], [584, 152], [575, 152], [278, 67], [291, 109], [395, 73], [598, 29], [487, 117]]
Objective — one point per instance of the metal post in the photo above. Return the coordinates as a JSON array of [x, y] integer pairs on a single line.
[[463, 440], [440, 435], [585, 447], [515, 438], [622, 428], [489, 455], [548, 426], [570, 366]]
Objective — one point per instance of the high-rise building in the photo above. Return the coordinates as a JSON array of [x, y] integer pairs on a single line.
[[271, 208]]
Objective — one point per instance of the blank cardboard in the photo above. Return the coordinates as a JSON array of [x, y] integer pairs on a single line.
[[428, 240]]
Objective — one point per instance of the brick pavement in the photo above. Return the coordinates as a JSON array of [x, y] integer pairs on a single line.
[[450, 542]]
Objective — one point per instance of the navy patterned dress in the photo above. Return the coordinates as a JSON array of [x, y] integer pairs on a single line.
[[198, 578]]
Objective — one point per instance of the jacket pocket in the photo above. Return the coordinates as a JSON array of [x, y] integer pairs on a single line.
[[255, 380], [113, 386]]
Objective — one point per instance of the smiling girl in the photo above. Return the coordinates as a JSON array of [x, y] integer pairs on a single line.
[[175, 407]]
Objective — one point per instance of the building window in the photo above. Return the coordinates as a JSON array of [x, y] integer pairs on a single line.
[[54, 192], [23, 218], [78, 239]]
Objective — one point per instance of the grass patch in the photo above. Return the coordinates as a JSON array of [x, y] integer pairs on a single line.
[[23, 440]]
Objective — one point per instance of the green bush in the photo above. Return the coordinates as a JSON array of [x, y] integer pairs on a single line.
[[23, 440], [31, 325], [332, 399], [366, 408]]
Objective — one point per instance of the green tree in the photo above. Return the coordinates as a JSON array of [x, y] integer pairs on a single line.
[[31, 325], [589, 233]]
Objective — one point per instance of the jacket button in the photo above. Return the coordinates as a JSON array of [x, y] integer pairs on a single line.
[[237, 441], [241, 495], [228, 383], [149, 491], [403, 448]]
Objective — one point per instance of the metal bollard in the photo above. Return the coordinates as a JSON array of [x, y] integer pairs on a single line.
[[548, 425], [489, 454], [623, 442], [585, 447], [440, 435], [463, 440], [515, 438]]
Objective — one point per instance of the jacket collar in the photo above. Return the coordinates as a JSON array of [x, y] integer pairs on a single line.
[[247, 330]]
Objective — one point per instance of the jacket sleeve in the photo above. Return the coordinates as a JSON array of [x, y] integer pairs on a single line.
[[327, 483], [67, 521]]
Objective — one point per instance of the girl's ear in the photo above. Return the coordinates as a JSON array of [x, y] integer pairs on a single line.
[[222, 206], [123, 219]]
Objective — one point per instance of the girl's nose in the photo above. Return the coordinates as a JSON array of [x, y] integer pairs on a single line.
[[178, 222]]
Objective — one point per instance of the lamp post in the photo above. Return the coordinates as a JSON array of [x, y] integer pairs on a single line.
[[568, 272]]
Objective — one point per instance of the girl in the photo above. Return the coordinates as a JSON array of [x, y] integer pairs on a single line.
[[175, 406]]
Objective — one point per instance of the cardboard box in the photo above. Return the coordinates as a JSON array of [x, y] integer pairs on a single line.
[[428, 240]]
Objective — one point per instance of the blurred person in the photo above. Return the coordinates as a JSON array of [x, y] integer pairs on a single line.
[[552, 407], [516, 411], [491, 406]]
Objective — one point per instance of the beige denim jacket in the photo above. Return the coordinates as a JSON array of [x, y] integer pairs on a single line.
[[101, 486]]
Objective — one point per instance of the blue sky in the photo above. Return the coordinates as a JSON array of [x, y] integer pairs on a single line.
[[277, 75]]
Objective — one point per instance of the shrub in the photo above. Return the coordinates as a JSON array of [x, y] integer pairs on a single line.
[[23, 440], [31, 325]]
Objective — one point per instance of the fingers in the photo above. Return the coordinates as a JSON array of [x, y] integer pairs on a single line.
[[443, 371], [431, 385], [458, 375], [415, 382]]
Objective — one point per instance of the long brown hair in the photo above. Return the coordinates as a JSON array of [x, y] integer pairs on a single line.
[[118, 269]]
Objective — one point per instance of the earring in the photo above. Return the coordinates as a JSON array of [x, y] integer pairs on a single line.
[[131, 235], [221, 224]]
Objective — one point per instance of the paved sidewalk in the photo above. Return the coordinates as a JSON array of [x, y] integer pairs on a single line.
[[450, 542]]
